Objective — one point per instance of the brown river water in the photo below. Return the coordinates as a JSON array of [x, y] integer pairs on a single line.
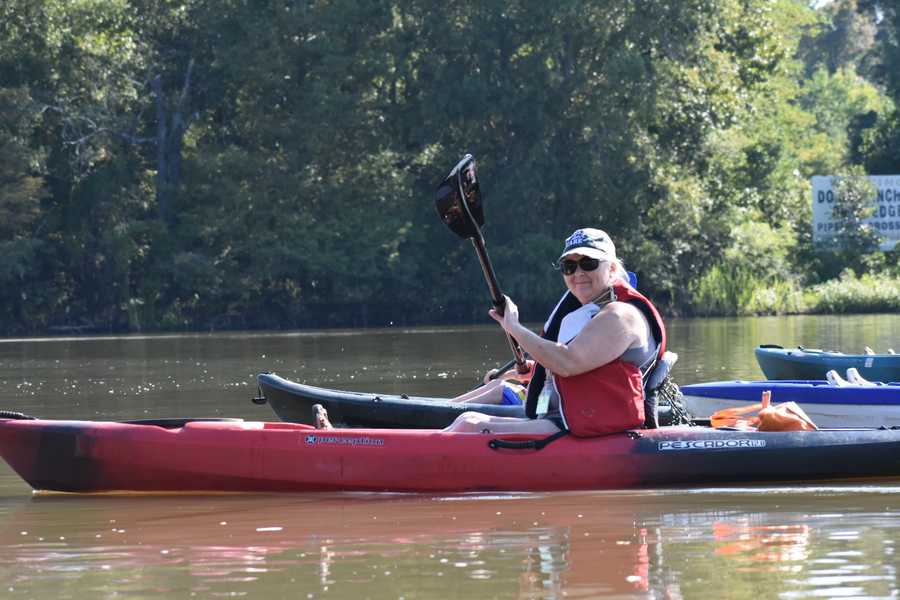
[[801, 541]]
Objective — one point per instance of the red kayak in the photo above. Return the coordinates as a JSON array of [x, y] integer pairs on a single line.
[[232, 456]]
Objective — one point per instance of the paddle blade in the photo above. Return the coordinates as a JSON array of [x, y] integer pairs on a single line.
[[458, 200]]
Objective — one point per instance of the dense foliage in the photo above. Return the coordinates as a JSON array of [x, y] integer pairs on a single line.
[[188, 164]]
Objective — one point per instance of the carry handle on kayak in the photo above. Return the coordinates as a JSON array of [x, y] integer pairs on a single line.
[[496, 444]]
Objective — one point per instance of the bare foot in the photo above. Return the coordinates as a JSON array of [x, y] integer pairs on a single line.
[[320, 417]]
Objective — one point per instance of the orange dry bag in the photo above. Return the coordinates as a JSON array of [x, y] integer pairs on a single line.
[[787, 416]]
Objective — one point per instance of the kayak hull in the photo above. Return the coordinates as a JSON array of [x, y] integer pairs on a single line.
[[293, 402], [209, 456], [799, 363], [826, 405]]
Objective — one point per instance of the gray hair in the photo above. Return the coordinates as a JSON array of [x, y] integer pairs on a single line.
[[621, 273]]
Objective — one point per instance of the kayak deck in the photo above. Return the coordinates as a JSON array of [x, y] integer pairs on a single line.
[[293, 402]]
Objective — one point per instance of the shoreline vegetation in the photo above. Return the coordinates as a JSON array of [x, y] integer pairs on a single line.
[[737, 293], [720, 294], [272, 165]]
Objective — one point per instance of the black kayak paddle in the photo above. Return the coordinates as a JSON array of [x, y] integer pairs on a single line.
[[459, 204]]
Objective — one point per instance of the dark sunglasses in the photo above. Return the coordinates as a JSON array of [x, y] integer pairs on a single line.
[[585, 262]]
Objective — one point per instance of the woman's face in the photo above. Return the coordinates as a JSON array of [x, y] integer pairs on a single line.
[[587, 285]]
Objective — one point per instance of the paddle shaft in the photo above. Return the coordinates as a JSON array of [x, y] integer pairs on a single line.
[[497, 299], [501, 370]]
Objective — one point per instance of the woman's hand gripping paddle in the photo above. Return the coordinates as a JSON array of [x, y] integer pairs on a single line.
[[458, 202]]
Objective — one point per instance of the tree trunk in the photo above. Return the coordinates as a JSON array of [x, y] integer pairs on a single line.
[[170, 129]]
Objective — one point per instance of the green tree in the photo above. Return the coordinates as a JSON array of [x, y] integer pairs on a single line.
[[25, 299], [852, 207], [272, 164], [882, 146], [843, 37]]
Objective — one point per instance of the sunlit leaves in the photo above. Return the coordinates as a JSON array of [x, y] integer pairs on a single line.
[[305, 151]]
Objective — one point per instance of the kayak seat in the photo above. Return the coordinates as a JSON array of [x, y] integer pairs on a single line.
[[835, 380], [663, 401], [855, 378], [661, 370]]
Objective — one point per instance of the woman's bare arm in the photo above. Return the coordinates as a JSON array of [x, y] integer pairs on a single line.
[[616, 328]]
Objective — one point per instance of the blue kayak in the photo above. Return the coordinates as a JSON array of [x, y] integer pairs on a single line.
[[827, 405], [779, 363]]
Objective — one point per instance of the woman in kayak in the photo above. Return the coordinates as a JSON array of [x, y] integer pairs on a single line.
[[599, 343]]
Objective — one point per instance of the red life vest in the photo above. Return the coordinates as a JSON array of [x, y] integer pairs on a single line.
[[610, 398]]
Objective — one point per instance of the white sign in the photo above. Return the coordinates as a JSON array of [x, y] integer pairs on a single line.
[[885, 221]]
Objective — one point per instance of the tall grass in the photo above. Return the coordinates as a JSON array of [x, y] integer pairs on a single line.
[[721, 291], [776, 297], [851, 294], [726, 290], [736, 291]]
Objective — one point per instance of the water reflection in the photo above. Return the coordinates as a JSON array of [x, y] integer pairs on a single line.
[[673, 544], [767, 544], [723, 543]]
